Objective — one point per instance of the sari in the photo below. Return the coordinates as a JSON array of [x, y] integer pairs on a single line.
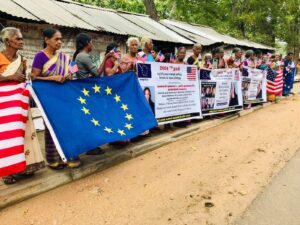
[[57, 65], [288, 74], [32, 152], [219, 63]]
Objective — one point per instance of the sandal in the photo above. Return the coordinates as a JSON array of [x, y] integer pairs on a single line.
[[74, 163], [8, 180]]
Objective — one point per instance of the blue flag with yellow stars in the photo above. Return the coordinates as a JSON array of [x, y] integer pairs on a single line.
[[87, 113]]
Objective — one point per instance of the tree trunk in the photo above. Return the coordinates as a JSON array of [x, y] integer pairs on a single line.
[[150, 9]]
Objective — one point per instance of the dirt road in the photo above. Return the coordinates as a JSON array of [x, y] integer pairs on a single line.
[[224, 168]]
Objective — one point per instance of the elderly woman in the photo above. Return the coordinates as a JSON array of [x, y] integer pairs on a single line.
[[181, 53], [250, 59], [207, 61], [129, 60], [147, 45], [50, 65], [12, 72], [194, 59], [235, 61], [218, 59]]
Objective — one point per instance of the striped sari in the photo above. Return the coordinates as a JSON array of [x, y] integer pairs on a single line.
[[57, 65]]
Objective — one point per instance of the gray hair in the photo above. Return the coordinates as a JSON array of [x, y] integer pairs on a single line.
[[197, 45], [8, 32], [131, 39], [144, 41]]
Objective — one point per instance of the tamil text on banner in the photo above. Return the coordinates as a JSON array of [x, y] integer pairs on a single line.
[[83, 114], [220, 91], [254, 85], [14, 99], [171, 90]]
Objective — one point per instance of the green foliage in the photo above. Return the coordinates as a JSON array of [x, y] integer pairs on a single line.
[[257, 20]]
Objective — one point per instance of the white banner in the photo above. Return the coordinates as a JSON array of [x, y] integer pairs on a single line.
[[254, 85], [172, 90], [220, 91]]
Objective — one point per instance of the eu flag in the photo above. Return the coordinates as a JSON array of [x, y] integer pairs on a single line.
[[91, 112]]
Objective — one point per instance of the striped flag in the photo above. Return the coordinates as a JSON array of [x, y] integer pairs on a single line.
[[274, 81], [191, 72], [14, 101]]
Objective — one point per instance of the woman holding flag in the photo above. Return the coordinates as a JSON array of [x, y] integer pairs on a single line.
[[111, 65], [18, 141], [51, 65], [147, 45]]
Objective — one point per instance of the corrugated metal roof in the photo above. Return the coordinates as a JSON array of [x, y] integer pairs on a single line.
[[48, 11], [155, 28], [123, 23], [71, 14], [14, 9], [210, 34], [192, 36], [103, 20]]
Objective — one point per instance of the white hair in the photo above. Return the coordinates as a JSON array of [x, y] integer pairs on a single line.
[[197, 45], [144, 41], [132, 39], [8, 32]]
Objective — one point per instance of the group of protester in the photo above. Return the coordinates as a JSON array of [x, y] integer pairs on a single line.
[[50, 64]]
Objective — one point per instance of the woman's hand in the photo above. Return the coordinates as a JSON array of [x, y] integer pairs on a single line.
[[19, 77], [58, 78]]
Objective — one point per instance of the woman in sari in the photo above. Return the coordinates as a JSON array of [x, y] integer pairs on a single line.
[[12, 72], [218, 61], [51, 65], [288, 74], [235, 61], [207, 61], [129, 60], [111, 65], [194, 59], [180, 56], [250, 59]]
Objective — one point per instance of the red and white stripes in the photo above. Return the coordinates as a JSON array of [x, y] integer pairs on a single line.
[[275, 88], [14, 103]]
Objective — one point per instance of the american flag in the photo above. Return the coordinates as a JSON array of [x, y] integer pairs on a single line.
[[14, 101], [73, 68], [191, 73], [274, 81], [160, 56]]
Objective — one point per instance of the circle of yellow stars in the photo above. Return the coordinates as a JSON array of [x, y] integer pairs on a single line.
[[117, 98]]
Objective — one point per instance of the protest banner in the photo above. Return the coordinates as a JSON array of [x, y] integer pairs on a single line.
[[220, 91], [254, 85], [172, 91]]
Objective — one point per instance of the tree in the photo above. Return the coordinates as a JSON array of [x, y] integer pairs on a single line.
[[150, 9], [257, 20]]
